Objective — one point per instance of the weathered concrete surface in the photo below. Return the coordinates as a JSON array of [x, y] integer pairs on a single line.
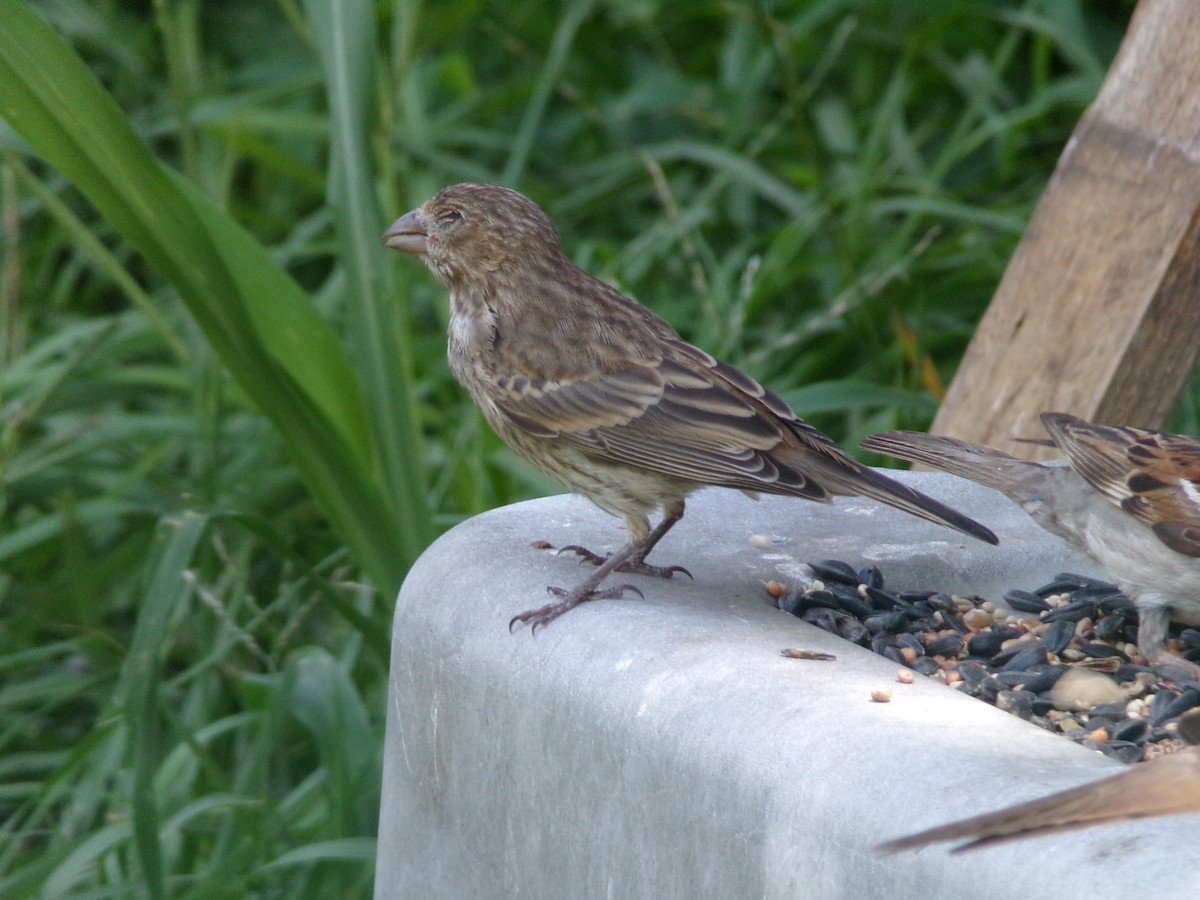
[[662, 748]]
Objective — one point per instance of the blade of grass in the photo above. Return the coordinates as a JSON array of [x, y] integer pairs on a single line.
[[835, 396], [325, 701], [165, 596], [346, 849], [108, 263], [376, 312], [259, 321], [564, 35]]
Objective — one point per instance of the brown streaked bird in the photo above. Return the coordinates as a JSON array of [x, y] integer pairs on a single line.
[[1130, 499], [603, 396], [1168, 785]]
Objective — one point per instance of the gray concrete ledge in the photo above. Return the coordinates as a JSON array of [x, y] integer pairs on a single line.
[[662, 748]]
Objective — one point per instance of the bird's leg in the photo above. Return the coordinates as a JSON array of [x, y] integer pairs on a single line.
[[1153, 625], [586, 591], [629, 558], [635, 563]]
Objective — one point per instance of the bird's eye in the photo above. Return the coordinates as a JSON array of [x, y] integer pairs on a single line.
[[451, 218]]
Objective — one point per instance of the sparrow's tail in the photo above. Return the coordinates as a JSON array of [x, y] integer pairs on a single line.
[[1164, 786], [983, 465]]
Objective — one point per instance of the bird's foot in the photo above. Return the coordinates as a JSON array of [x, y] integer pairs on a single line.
[[632, 566], [1174, 668], [539, 618]]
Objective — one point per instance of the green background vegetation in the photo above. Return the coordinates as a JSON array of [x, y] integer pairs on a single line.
[[228, 427]]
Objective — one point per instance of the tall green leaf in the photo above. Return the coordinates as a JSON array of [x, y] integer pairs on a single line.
[[260, 322], [378, 327]]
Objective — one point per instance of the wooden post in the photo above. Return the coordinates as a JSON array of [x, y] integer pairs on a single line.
[[1098, 313]]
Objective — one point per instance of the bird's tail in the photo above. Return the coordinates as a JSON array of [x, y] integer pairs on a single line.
[[1164, 786], [1020, 479], [887, 490], [984, 465]]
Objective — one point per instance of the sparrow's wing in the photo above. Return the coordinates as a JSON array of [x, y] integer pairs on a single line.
[[698, 423], [1153, 476], [692, 417]]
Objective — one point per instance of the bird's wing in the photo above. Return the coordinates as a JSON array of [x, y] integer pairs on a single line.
[[685, 415], [1153, 476]]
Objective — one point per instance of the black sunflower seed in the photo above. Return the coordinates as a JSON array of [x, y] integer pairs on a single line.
[[1176, 706], [1122, 751], [925, 666], [1071, 612], [1063, 583], [871, 577], [881, 599], [1102, 651], [972, 672], [1112, 604], [852, 630], [1027, 657], [946, 645], [1024, 601], [941, 603], [986, 644], [1041, 681], [1111, 628], [836, 571], [886, 622], [1058, 635], [849, 601], [1132, 730]]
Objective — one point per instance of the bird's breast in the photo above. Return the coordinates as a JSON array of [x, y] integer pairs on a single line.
[[471, 331]]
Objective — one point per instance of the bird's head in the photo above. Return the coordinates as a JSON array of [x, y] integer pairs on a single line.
[[470, 231]]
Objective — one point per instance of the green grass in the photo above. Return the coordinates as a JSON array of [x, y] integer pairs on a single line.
[[228, 426]]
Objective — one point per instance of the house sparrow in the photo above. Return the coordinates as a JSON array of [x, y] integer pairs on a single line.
[[1130, 498], [603, 396], [1160, 787]]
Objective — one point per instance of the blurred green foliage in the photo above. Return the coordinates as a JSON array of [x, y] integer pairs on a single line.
[[227, 421]]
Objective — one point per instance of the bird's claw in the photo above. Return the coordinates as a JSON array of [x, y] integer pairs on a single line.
[[663, 571], [544, 615], [584, 553], [1174, 668]]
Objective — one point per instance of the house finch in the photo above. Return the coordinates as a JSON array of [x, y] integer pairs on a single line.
[[603, 396], [1130, 498]]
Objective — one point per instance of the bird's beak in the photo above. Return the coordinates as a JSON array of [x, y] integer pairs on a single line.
[[407, 234]]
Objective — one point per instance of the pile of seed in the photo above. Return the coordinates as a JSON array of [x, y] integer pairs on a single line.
[[1062, 656]]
